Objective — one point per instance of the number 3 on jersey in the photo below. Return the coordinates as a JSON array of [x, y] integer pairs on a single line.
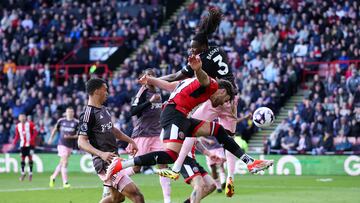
[[225, 69]]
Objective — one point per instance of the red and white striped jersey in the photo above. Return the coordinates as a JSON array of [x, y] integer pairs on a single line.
[[26, 132]]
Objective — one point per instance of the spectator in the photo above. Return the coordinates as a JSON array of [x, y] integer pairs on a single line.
[[304, 144], [325, 144], [342, 143], [290, 141]]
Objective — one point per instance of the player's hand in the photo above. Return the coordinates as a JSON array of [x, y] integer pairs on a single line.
[[248, 116], [216, 158], [195, 62], [133, 149], [155, 98], [143, 80], [107, 156]]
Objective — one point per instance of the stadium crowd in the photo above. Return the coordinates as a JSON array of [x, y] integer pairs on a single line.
[[266, 43], [42, 32]]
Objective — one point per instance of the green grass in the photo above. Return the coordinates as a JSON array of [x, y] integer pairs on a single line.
[[249, 189]]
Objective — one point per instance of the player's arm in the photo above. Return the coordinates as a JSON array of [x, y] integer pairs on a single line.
[[123, 137], [53, 133], [180, 75], [84, 144], [202, 149], [17, 136], [248, 116], [196, 65], [157, 82], [139, 103]]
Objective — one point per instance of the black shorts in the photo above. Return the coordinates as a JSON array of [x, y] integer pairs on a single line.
[[176, 126], [26, 151], [190, 169]]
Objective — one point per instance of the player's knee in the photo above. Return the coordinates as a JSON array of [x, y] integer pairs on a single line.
[[136, 169], [118, 198], [138, 197], [210, 188]]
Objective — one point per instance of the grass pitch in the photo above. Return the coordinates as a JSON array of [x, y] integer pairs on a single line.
[[248, 189]]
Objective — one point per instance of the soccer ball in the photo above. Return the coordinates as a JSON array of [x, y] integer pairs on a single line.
[[263, 117]]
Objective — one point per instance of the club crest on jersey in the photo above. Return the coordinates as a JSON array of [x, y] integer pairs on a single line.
[[196, 169], [84, 127], [181, 135]]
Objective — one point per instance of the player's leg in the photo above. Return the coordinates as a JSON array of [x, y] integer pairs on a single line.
[[113, 197], [228, 119], [210, 185], [204, 112], [31, 164], [64, 176], [159, 157], [216, 130], [197, 176], [57, 169], [24, 153], [173, 135], [122, 183], [222, 175]]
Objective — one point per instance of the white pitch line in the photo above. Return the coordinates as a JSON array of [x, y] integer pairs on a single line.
[[46, 188]]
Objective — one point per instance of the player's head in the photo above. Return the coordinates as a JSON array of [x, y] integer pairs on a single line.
[[224, 94], [149, 71], [97, 89], [69, 113], [208, 25], [22, 118]]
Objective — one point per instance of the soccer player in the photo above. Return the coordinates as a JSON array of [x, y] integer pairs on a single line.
[[26, 132], [195, 175], [97, 136], [68, 136], [146, 106], [216, 66], [215, 165], [186, 95]]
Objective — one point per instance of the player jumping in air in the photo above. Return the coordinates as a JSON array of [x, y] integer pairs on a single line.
[[186, 95], [67, 127], [26, 132], [146, 106], [97, 136], [215, 64]]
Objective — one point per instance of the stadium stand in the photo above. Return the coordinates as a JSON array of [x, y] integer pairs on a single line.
[[268, 45]]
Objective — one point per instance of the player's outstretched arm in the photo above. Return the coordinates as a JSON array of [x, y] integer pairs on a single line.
[[123, 137], [174, 76], [84, 144], [196, 64], [157, 82]]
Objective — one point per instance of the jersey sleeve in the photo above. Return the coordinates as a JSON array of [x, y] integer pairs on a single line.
[[187, 71], [139, 103], [85, 122]]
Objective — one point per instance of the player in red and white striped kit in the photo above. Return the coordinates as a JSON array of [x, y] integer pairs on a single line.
[[25, 132]]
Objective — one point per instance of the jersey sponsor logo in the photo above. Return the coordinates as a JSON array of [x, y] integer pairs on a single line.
[[156, 105], [106, 126]]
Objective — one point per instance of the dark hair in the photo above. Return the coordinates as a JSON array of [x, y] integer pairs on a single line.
[[208, 25], [224, 84], [94, 84]]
